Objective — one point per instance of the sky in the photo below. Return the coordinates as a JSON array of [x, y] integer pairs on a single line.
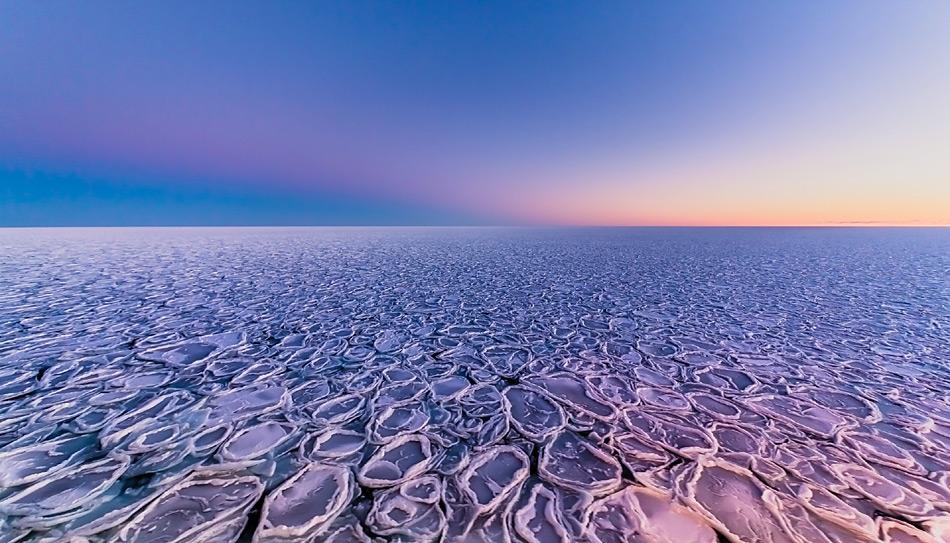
[[581, 113]]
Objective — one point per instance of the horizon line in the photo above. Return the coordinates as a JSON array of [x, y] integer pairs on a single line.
[[861, 225]]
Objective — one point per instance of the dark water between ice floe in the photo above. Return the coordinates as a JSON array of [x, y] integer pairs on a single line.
[[647, 385]]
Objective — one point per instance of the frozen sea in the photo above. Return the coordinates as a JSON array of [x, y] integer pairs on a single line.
[[470, 385]]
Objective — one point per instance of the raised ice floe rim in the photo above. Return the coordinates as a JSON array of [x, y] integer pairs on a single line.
[[413, 470], [597, 488], [196, 478], [308, 445], [614, 412], [533, 436], [289, 430], [483, 458], [8, 504], [630, 498], [376, 423], [551, 513], [345, 492]]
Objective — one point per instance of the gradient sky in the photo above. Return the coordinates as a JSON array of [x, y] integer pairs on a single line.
[[633, 113]]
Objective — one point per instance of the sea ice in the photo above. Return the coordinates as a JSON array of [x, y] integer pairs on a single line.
[[468, 385]]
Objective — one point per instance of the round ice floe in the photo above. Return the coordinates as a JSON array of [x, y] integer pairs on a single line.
[[358, 353], [715, 406], [935, 487], [805, 415], [665, 399], [162, 460], [492, 475], [397, 461], [70, 490], [333, 443], [398, 375], [675, 434], [894, 531], [345, 532], [640, 514], [248, 401], [209, 438], [93, 420], [399, 393], [734, 438], [449, 387], [60, 413], [394, 514], [304, 504], [16, 383], [143, 417], [41, 460], [878, 449], [801, 525], [257, 372], [255, 441], [227, 367], [540, 521], [193, 509], [615, 388], [308, 394], [154, 439], [731, 499], [426, 489], [573, 462], [143, 380], [110, 397], [575, 394], [341, 409], [492, 431], [884, 493], [532, 413], [721, 377], [481, 400], [390, 341], [846, 402], [507, 360], [395, 421], [827, 505], [365, 382], [659, 372], [631, 446], [453, 459], [181, 355]]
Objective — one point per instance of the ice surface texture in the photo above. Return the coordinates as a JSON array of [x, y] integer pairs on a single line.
[[467, 385]]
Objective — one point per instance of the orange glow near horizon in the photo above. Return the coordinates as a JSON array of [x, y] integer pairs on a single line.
[[733, 208], [876, 171]]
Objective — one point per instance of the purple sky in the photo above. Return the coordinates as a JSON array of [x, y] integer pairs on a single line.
[[425, 113]]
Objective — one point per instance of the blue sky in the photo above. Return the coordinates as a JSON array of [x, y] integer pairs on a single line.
[[462, 112]]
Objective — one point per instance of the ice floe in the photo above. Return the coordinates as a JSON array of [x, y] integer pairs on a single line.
[[303, 505], [464, 386]]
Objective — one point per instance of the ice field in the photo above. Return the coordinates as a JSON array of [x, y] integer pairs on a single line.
[[469, 385]]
